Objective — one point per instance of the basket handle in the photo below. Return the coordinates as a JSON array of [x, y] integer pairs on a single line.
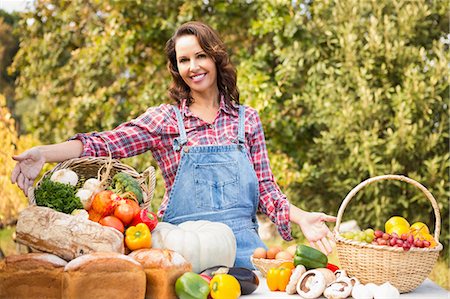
[[437, 228], [151, 175]]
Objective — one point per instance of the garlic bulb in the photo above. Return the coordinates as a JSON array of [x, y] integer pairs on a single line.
[[92, 184], [65, 176], [85, 197]]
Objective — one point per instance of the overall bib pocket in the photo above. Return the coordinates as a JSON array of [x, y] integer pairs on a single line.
[[216, 185]]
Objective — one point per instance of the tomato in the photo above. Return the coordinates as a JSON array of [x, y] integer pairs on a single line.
[[112, 221], [135, 206], [124, 211], [104, 203]]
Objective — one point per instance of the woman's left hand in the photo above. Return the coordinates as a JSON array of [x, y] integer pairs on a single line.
[[314, 228]]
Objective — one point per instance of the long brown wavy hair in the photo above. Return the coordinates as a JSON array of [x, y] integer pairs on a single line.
[[211, 43]]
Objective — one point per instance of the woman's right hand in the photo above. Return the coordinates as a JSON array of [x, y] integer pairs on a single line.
[[29, 165]]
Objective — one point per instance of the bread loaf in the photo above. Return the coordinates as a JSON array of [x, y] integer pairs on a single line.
[[162, 269], [31, 275], [106, 275], [65, 235]]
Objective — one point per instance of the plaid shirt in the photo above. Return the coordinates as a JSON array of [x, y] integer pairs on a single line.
[[156, 129]]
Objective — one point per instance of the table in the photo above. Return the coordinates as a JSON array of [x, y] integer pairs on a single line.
[[427, 290]]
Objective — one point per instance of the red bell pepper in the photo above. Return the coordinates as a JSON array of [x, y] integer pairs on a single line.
[[147, 217], [332, 267]]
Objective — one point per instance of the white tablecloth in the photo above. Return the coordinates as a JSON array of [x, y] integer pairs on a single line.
[[427, 290]]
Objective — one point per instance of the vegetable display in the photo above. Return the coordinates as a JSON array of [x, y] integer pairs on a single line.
[[190, 285], [57, 196], [309, 257]]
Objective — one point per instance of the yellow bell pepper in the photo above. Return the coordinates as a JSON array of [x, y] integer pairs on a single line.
[[137, 237], [278, 278], [224, 286]]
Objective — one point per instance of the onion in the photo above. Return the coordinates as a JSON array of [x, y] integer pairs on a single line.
[[65, 176]]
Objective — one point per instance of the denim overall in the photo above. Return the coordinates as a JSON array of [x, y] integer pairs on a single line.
[[217, 183]]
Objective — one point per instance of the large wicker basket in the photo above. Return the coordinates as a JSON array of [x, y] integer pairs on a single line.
[[104, 167], [406, 270]]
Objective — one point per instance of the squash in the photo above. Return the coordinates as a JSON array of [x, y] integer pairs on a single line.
[[203, 243]]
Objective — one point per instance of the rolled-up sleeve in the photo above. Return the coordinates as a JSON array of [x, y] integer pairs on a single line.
[[128, 139], [272, 201]]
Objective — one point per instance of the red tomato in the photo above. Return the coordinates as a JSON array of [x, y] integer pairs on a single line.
[[135, 206], [112, 221], [104, 203], [124, 211]]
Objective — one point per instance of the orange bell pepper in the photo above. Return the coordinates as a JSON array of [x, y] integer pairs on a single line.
[[137, 237], [278, 278]]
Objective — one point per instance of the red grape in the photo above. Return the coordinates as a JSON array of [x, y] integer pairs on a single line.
[[378, 233], [386, 236]]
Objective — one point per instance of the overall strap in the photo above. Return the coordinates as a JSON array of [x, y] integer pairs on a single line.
[[241, 128], [182, 139]]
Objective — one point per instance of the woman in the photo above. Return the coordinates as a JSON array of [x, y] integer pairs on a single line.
[[211, 150]]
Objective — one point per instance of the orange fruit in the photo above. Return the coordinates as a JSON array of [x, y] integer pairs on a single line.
[[396, 221], [419, 228]]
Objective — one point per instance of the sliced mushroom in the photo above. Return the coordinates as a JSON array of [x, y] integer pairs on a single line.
[[313, 282], [339, 289], [291, 287]]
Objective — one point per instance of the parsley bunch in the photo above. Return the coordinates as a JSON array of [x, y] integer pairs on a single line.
[[57, 196]]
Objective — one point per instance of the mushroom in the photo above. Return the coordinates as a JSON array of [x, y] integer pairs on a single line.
[[361, 291], [386, 291], [339, 289], [313, 282], [340, 273], [295, 277]]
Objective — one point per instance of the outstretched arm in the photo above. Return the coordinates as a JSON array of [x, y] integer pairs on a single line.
[[30, 162], [314, 228]]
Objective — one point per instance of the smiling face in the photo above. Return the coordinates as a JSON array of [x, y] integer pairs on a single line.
[[196, 68]]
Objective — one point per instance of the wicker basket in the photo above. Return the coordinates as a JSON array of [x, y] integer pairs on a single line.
[[263, 265], [98, 167], [406, 270]]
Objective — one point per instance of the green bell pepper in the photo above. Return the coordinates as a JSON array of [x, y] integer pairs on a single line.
[[191, 285], [309, 257]]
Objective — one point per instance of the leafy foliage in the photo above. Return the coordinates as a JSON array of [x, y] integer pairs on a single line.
[[346, 90], [12, 198]]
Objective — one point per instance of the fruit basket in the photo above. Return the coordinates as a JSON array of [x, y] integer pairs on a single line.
[[405, 270], [263, 265], [104, 168]]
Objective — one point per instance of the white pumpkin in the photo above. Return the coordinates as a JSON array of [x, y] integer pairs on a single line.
[[203, 243]]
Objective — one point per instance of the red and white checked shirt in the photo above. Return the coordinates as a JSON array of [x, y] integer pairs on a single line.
[[156, 129]]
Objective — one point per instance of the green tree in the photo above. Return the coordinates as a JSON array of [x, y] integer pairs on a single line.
[[355, 89], [346, 90], [9, 44]]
